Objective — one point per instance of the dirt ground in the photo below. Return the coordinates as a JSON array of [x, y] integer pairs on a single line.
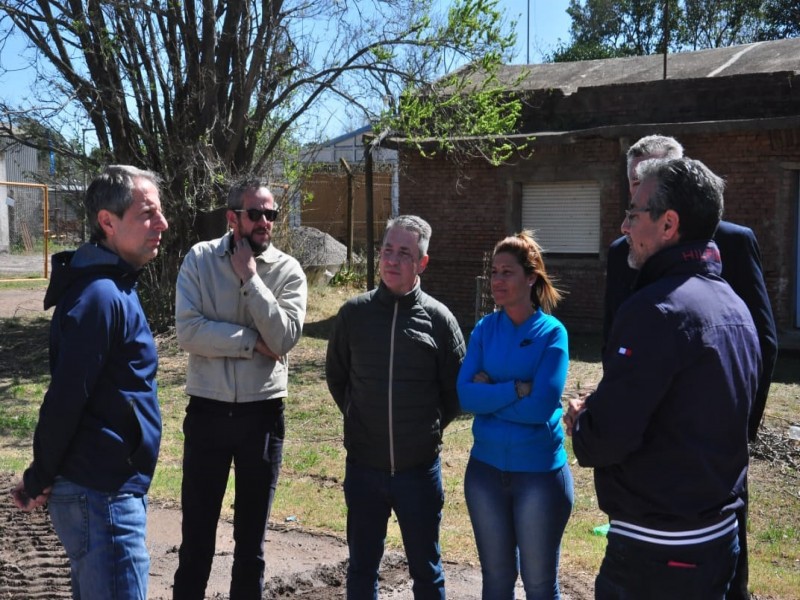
[[299, 564]]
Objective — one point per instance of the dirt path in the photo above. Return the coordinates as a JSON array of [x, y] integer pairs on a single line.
[[21, 302], [299, 564]]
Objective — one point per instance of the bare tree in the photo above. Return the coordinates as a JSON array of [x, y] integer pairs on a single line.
[[202, 90]]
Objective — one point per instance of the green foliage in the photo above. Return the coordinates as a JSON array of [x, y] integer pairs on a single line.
[[584, 51], [781, 19], [18, 426], [614, 28], [720, 23], [468, 113], [473, 122], [633, 27], [350, 277]]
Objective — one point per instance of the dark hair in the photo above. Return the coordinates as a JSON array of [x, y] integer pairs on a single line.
[[414, 224], [112, 190], [241, 187], [524, 248], [689, 188]]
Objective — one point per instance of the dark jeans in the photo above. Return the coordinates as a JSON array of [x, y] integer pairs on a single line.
[[216, 433], [634, 570], [417, 497], [518, 520], [738, 589]]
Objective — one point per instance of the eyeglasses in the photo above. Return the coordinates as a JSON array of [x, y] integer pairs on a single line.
[[631, 212], [255, 215]]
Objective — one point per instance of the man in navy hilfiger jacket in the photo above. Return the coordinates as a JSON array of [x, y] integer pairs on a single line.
[[741, 268], [666, 430]]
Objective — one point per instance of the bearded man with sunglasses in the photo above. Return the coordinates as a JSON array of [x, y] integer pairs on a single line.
[[239, 309]]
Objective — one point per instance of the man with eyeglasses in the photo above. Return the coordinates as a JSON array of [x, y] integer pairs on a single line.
[[239, 309], [392, 362], [666, 429], [741, 268]]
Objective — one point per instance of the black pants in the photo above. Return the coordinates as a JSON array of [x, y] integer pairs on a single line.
[[217, 433]]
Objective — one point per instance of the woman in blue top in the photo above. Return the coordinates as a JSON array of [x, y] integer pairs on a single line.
[[518, 485]]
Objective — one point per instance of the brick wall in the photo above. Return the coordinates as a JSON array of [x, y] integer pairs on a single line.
[[473, 207], [759, 95]]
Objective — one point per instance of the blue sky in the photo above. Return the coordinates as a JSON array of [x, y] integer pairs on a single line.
[[549, 22], [540, 26]]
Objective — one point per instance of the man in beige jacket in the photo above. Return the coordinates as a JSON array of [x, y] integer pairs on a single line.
[[239, 309]]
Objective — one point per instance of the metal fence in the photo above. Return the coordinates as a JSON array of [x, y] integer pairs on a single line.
[[35, 222]]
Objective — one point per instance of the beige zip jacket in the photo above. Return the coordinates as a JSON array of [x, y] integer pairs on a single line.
[[218, 321]]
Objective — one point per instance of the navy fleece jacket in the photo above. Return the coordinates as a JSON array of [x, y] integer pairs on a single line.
[[99, 424]]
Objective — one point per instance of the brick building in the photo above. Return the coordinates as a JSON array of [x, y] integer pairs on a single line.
[[737, 109]]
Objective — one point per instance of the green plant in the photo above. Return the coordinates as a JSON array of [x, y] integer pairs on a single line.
[[355, 276]]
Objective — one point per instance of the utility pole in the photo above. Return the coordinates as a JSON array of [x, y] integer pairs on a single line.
[[666, 35], [528, 37]]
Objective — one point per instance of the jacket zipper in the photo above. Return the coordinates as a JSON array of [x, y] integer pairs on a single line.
[[391, 386]]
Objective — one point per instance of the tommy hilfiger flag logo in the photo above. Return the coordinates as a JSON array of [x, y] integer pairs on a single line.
[[624, 351]]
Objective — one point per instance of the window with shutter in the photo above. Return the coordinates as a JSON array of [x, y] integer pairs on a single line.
[[565, 216]]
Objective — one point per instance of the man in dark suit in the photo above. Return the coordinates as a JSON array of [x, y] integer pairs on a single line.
[[741, 268]]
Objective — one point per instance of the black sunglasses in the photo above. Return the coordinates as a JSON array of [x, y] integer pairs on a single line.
[[255, 215]]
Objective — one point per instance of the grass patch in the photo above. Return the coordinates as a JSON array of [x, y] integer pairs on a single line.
[[34, 282], [310, 488]]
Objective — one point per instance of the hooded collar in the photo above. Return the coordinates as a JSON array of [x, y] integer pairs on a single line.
[[89, 259]]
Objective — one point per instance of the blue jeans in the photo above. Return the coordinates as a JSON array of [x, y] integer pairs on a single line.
[[217, 433], [632, 569], [104, 537], [518, 519], [417, 498]]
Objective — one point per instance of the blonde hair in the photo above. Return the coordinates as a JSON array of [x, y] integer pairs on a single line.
[[528, 253]]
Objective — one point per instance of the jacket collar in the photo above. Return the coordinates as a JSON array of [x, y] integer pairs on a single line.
[[89, 259], [690, 258], [385, 296]]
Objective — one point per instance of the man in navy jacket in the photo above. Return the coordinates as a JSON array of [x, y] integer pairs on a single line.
[[97, 439], [741, 268], [666, 430]]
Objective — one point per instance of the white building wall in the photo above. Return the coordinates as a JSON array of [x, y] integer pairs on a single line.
[[4, 241], [19, 205]]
